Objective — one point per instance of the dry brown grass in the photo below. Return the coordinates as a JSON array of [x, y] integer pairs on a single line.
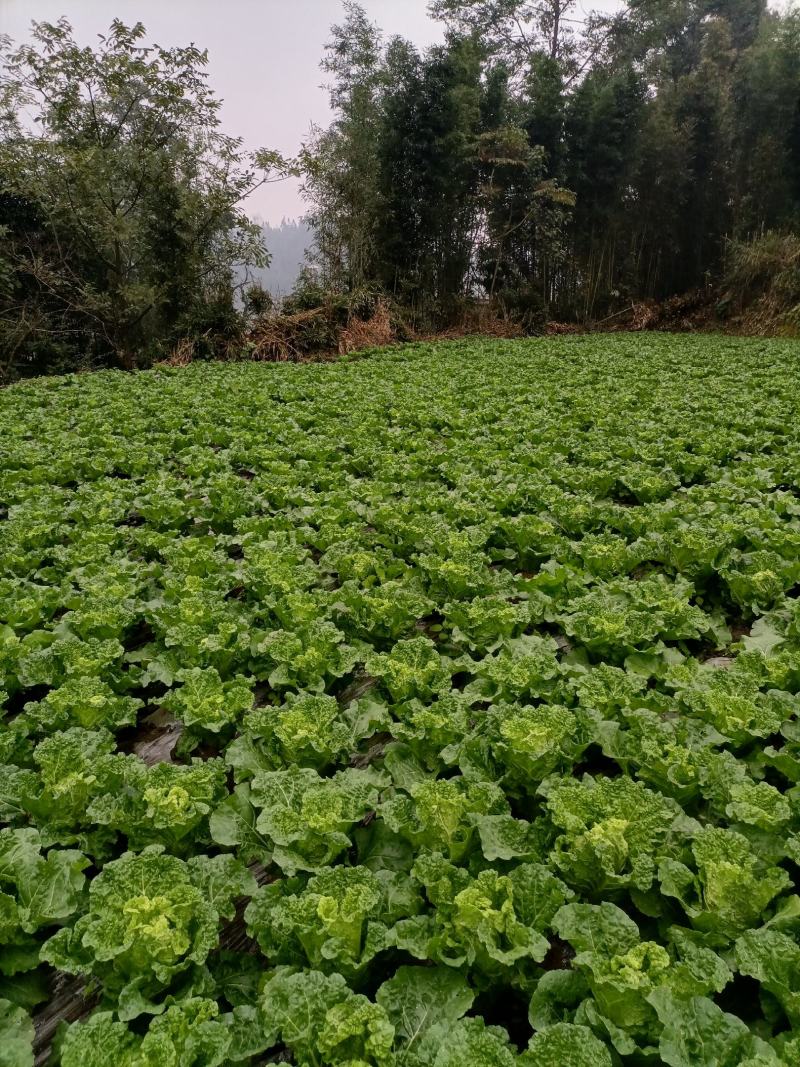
[[371, 333], [763, 283], [281, 339], [181, 355]]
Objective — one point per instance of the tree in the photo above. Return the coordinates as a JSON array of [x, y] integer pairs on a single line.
[[429, 174], [603, 146], [518, 29], [525, 213], [134, 195], [555, 160], [340, 164]]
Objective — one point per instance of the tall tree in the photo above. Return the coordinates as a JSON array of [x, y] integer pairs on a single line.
[[429, 172], [553, 159], [135, 193], [519, 30], [340, 163]]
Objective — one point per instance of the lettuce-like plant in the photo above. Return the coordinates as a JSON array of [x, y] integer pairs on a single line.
[[438, 815], [623, 615], [528, 743], [74, 766], [483, 623], [565, 1043], [82, 701], [725, 887], [772, 957], [322, 1021], [527, 667], [308, 819], [309, 730], [16, 1034], [166, 804], [204, 702], [189, 1032], [612, 830], [338, 921], [38, 889], [304, 659], [622, 972], [731, 702], [150, 918], [435, 731], [413, 668], [488, 923], [380, 613]]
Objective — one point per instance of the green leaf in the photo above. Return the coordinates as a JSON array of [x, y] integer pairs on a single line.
[[205, 702], [412, 669], [307, 818], [469, 1041], [439, 814], [233, 825], [505, 838], [16, 1036], [697, 1033], [97, 1042], [222, 880], [339, 921], [555, 998], [730, 888], [612, 829], [602, 929], [146, 922], [317, 1014], [418, 998], [564, 1044], [773, 959]]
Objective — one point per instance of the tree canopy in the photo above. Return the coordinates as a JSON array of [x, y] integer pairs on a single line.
[[552, 160], [120, 198]]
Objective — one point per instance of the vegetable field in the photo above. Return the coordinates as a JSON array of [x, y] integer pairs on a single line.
[[434, 709]]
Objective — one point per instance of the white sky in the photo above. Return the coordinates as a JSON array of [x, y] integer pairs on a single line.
[[263, 58]]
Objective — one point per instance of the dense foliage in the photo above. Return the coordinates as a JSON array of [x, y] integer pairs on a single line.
[[122, 230], [544, 162], [478, 668], [556, 160]]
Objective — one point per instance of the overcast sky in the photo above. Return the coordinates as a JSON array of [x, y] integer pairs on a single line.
[[263, 57]]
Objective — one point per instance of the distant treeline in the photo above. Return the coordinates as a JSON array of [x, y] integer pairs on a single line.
[[564, 165], [541, 163], [288, 245]]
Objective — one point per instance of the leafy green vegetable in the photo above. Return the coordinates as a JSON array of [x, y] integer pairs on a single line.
[[16, 1036], [84, 701], [305, 659], [772, 958], [189, 1032], [150, 918], [487, 923], [320, 1019], [565, 1044], [350, 711], [611, 832], [309, 730], [728, 886], [339, 921], [697, 1033], [205, 702], [307, 818], [417, 999], [37, 890], [413, 668], [165, 804], [439, 814]]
